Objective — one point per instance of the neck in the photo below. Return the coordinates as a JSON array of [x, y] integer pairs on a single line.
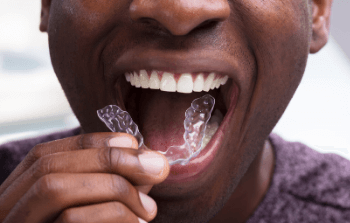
[[251, 189]]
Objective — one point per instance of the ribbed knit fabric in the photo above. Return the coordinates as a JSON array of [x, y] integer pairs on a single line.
[[307, 187]]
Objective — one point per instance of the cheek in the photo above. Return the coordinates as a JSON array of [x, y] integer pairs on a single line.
[[77, 37], [277, 31], [78, 32], [276, 22], [85, 22], [283, 47]]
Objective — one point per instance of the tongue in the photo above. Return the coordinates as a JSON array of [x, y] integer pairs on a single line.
[[161, 117]]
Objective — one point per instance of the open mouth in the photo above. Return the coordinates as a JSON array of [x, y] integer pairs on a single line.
[[157, 101]]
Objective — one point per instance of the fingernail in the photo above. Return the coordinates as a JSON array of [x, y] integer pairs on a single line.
[[152, 162], [121, 141], [142, 221], [148, 203]]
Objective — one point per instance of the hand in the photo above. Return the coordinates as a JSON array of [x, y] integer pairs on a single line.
[[98, 177]]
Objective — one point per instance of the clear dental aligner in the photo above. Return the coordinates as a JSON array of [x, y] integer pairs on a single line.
[[118, 120], [195, 124]]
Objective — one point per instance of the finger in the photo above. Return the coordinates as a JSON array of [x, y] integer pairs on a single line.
[[121, 161], [81, 142], [140, 167], [144, 188], [110, 212], [56, 192], [86, 141]]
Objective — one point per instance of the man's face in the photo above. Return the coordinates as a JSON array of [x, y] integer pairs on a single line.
[[262, 46]]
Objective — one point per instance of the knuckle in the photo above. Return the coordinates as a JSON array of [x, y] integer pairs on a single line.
[[104, 158], [69, 216], [82, 140], [37, 151], [47, 187], [117, 159], [119, 209], [121, 212], [91, 140], [41, 167], [120, 187]]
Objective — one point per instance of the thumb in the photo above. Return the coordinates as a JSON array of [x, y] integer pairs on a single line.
[[144, 188]]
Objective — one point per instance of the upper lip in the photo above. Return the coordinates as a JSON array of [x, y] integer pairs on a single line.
[[175, 63]]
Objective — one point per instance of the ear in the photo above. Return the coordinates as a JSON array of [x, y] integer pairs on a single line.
[[321, 13], [45, 13]]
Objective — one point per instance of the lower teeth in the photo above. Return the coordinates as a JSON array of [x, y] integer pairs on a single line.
[[212, 127], [199, 128]]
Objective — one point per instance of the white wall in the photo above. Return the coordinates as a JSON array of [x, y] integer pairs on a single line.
[[319, 113]]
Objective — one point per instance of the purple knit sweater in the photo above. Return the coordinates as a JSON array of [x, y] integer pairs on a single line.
[[307, 186]]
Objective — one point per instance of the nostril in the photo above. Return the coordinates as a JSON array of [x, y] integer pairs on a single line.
[[211, 23], [153, 25], [148, 21], [179, 17]]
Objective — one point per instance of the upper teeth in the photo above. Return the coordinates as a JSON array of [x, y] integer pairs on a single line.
[[185, 83]]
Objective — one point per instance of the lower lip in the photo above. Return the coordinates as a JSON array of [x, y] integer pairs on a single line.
[[192, 170]]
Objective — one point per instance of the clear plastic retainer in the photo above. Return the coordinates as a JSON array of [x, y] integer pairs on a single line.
[[195, 124], [118, 120], [196, 120]]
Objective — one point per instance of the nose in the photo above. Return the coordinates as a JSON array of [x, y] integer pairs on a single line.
[[179, 17]]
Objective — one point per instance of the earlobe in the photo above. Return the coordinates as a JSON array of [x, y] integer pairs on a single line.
[[321, 13], [45, 13]]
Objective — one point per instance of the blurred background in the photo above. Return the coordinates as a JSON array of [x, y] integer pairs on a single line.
[[32, 101]]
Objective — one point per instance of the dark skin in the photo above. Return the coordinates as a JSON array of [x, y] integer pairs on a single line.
[[89, 178]]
